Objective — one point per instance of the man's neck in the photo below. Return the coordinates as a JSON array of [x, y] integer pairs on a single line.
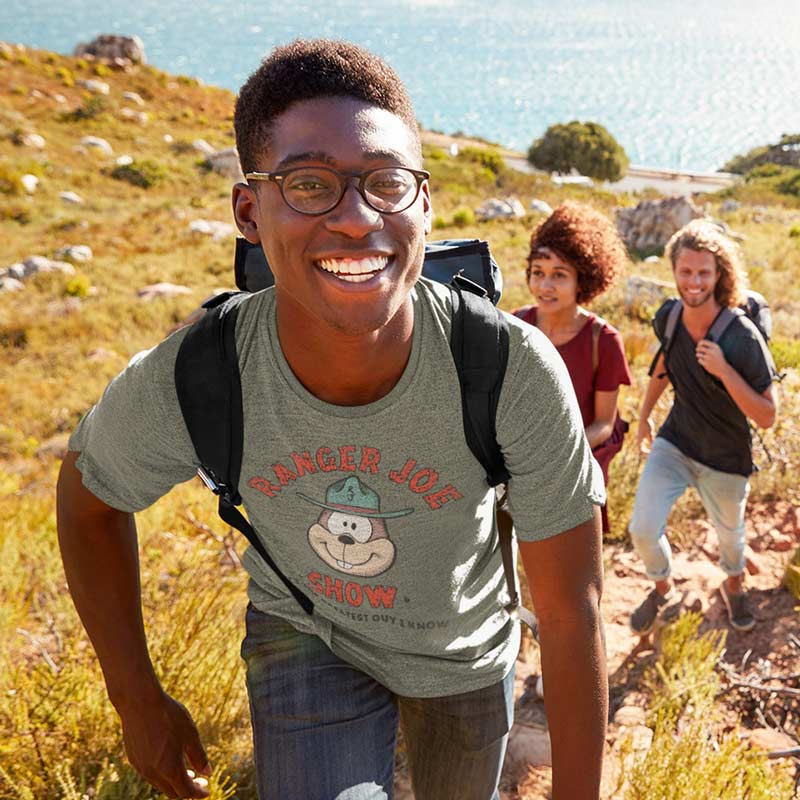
[[698, 319], [341, 369]]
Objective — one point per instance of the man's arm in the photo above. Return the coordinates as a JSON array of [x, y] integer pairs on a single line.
[[100, 553], [565, 574], [762, 408], [655, 388]]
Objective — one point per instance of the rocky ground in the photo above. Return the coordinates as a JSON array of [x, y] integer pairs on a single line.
[[769, 653]]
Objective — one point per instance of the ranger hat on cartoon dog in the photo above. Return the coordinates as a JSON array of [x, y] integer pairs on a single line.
[[350, 534]]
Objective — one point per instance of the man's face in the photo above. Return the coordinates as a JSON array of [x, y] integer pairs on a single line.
[[314, 257], [696, 275]]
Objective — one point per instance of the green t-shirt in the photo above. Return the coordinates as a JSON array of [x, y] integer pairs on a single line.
[[380, 513]]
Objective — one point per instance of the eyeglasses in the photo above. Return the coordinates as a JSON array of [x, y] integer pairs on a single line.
[[318, 190]]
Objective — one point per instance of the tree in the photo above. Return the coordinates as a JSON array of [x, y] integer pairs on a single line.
[[585, 146]]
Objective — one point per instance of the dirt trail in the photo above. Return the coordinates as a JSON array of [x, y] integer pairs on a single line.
[[773, 647]]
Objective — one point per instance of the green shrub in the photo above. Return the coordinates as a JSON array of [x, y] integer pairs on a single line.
[[488, 158], [794, 232], [463, 217], [439, 222], [790, 183], [78, 286], [786, 353], [144, 173], [763, 171], [585, 146], [101, 70], [94, 107], [66, 76], [786, 152]]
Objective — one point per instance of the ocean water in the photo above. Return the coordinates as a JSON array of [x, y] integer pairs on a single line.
[[682, 84]]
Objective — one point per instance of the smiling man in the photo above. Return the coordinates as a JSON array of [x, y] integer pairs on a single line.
[[705, 441], [358, 479]]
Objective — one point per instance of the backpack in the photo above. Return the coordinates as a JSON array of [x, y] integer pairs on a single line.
[[755, 308], [209, 388]]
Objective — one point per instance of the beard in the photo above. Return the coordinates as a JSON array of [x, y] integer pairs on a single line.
[[696, 300]]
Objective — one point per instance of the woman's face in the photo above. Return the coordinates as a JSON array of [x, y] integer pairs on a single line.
[[553, 282]]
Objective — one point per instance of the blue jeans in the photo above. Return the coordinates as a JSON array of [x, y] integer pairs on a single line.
[[323, 730], [667, 474]]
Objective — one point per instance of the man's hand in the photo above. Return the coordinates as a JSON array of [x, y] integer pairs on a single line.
[[711, 358], [160, 737], [644, 435]]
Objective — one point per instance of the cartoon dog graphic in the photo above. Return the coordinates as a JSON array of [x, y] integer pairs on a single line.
[[350, 534]]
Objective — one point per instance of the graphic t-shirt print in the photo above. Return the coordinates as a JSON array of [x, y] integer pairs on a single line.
[[349, 528]]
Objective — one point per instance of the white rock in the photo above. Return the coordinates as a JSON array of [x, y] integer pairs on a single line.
[[211, 227], [96, 143], [123, 161], [30, 182], [33, 140], [156, 290], [59, 98], [135, 116], [202, 146], [527, 747], [168, 138], [508, 208], [77, 253], [729, 206], [652, 260], [15, 271], [70, 197], [9, 284], [541, 207], [133, 97], [650, 224], [226, 162], [94, 86], [641, 291], [36, 264], [453, 149]]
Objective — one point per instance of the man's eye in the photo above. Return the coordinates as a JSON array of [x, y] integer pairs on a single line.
[[308, 185]]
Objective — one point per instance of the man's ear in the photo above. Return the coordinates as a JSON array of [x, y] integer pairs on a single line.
[[245, 207], [427, 206]]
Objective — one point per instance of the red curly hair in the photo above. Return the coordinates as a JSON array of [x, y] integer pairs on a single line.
[[585, 239]]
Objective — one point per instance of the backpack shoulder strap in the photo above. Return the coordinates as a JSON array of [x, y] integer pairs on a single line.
[[598, 323], [673, 316], [479, 344], [209, 390], [725, 317]]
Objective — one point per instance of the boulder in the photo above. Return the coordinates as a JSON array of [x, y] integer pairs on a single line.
[[34, 264], [94, 86], [211, 227], [112, 47], [123, 160], [76, 253], [641, 292], [202, 146], [541, 207], [70, 197], [156, 290], [9, 284], [133, 97], [770, 739], [507, 208], [98, 144], [729, 206], [226, 162], [650, 225], [29, 182], [134, 116], [34, 140]]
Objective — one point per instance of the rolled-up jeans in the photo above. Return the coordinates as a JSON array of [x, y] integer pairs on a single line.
[[666, 476], [324, 730]]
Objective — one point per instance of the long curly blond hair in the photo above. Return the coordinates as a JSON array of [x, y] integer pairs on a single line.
[[702, 234]]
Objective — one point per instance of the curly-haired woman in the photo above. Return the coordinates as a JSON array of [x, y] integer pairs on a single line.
[[575, 255]]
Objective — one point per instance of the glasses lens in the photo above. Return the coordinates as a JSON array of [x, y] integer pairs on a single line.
[[312, 190], [391, 189]]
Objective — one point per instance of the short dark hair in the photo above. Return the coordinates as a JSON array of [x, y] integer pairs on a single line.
[[588, 241], [305, 70]]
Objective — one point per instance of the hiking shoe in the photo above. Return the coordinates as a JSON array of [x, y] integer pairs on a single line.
[[739, 614], [644, 617]]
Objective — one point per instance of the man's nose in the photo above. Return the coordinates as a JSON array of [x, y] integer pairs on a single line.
[[352, 216]]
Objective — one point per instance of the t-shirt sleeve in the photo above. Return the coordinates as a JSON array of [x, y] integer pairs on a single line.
[[133, 444], [752, 359], [555, 481], [612, 365]]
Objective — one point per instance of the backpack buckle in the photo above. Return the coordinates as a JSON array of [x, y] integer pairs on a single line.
[[462, 282]]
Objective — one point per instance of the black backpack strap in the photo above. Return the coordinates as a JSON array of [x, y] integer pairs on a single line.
[[479, 344], [673, 317], [209, 391]]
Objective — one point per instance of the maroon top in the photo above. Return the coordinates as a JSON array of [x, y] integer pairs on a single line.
[[612, 366]]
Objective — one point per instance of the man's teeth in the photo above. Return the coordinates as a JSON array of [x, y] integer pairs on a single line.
[[343, 564], [354, 270]]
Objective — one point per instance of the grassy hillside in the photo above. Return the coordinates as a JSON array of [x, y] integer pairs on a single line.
[[63, 338]]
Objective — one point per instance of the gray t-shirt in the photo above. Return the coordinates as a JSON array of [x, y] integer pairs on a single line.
[[380, 513]]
